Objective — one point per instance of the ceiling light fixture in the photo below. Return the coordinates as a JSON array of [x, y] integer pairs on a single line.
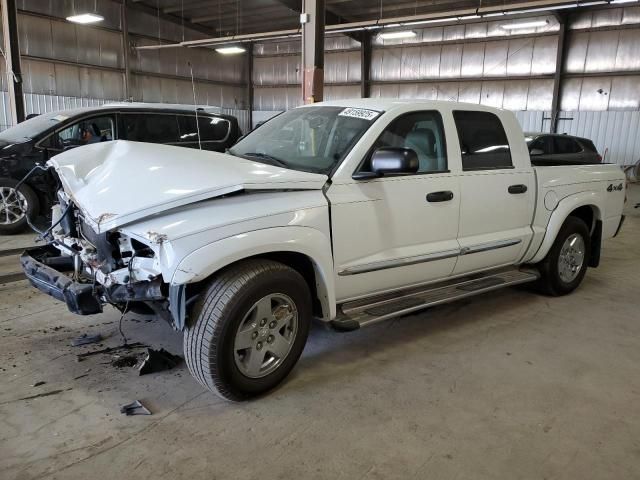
[[232, 50], [85, 18], [523, 25], [397, 35]]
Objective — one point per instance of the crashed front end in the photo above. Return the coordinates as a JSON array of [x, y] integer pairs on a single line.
[[87, 270]]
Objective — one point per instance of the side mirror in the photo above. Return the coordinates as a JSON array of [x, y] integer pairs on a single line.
[[394, 161], [536, 151]]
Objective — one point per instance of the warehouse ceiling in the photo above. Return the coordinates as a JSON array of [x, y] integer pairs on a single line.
[[232, 17]]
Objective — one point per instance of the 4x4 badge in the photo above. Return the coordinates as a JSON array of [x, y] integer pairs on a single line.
[[613, 188]]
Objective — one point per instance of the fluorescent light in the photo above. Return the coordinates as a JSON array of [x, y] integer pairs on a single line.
[[85, 18], [396, 35], [521, 25], [623, 1], [230, 50]]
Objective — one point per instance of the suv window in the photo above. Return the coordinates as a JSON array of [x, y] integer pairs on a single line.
[[543, 143], [564, 145], [588, 145], [83, 132], [421, 132], [151, 127], [212, 129], [483, 141]]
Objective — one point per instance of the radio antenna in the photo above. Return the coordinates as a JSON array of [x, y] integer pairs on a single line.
[[195, 105]]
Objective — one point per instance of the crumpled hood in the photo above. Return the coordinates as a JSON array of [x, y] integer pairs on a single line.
[[119, 182]]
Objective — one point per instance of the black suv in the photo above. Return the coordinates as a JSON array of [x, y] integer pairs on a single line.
[[36, 140], [557, 149]]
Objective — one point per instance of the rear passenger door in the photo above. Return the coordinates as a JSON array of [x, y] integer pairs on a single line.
[[497, 193]]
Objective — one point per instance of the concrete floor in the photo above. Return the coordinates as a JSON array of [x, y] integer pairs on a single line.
[[510, 385]]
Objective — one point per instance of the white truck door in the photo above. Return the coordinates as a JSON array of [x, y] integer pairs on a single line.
[[395, 231], [497, 187]]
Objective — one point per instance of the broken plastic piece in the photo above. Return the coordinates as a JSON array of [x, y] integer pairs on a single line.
[[86, 339], [134, 408], [158, 360]]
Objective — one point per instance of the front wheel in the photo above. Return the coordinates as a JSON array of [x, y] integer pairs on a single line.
[[250, 327], [15, 205], [565, 265]]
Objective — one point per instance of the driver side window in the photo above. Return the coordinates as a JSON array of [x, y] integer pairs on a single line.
[[83, 132], [422, 132]]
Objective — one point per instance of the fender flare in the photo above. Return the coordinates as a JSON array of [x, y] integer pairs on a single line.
[[560, 214], [312, 243]]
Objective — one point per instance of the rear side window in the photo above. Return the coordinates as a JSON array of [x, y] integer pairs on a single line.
[[565, 145], [588, 145], [151, 128], [544, 144], [212, 129], [483, 141]]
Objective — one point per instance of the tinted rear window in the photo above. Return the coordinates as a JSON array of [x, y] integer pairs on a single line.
[[151, 128], [212, 129], [483, 141], [588, 145], [564, 145]]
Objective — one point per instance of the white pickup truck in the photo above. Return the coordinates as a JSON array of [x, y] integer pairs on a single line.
[[350, 212]]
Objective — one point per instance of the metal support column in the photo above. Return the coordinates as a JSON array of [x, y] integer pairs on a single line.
[[313, 50], [365, 65], [249, 87], [126, 47], [557, 78], [12, 60]]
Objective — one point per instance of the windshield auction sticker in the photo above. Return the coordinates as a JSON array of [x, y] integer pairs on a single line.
[[361, 113]]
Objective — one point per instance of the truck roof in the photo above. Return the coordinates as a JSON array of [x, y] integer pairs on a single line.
[[388, 104]]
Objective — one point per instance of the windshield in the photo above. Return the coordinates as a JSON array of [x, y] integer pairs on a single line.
[[311, 139], [32, 127]]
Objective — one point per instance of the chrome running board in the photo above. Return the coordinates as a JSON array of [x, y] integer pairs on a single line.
[[361, 313]]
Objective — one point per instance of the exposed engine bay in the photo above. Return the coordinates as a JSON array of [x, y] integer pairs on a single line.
[[108, 267]]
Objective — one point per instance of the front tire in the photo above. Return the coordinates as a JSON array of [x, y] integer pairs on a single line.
[[15, 206], [249, 329], [565, 266]]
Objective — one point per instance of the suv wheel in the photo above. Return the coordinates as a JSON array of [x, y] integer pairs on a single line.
[[250, 327], [15, 205]]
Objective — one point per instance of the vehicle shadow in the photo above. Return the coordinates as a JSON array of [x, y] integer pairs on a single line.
[[330, 356]]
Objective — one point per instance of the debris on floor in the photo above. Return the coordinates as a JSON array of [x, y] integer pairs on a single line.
[[129, 346], [37, 384], [135, 408], [86, 339], [158, 360], [45, 394], [124, 361]]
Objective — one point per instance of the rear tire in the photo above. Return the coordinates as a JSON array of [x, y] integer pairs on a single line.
[[565, 266], [249, 329], [15, 208]]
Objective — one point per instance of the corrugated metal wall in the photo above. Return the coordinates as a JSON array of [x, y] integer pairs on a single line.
[[65, 64], [483, 63]]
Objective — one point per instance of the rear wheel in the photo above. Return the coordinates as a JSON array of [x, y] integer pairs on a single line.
[[15, 205], [565, 265], [249, 329]]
